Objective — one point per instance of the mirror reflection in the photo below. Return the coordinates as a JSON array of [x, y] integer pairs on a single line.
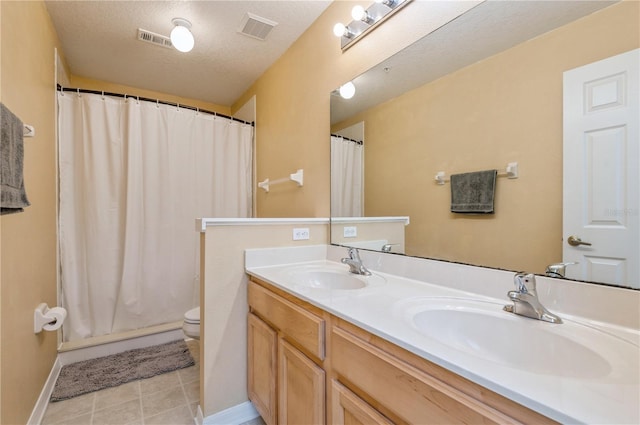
[[480, 93]]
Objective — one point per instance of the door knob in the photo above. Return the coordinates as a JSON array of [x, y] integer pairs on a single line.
[[573, 241]]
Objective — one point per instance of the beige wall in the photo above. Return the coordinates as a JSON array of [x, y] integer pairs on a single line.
[[98, 85], [292, 126], [503, 109], [28, 240], [223, 345]]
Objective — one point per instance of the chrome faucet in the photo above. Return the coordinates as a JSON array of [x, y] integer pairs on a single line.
[[355, 263], [525, 299], [557, 269]]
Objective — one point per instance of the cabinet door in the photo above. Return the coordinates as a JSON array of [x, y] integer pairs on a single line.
[[301, 391], [349, 409], [261, 368]]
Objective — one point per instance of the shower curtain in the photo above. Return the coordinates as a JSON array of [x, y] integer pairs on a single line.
[[346, 178], [134, 176]]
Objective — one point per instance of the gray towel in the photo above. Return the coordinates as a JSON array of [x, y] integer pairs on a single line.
[[473, 192], [13, 197]]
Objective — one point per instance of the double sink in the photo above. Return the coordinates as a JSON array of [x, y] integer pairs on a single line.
[[481, 328], [578, 371]]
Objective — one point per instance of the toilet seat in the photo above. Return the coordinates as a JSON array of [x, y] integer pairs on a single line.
[[191, 324], [192, 316]]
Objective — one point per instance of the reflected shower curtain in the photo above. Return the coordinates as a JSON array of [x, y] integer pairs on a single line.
[[134, 176], [346, 178]]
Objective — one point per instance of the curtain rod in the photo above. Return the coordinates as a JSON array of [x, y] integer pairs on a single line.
[[349, 140], [193, 108]]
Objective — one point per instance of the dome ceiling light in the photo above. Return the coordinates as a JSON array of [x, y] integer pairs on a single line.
[[181, 36]]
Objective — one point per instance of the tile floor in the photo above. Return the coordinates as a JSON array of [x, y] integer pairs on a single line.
[[171, 398]]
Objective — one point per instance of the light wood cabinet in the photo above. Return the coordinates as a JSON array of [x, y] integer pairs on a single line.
[[261, 368], [300, 387], [363, 378], [349, 409], [412, 395], [286, 344]]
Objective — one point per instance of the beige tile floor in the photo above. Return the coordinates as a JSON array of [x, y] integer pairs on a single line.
[[171, 398]]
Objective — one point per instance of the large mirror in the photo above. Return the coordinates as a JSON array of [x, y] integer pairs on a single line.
[[483, 92]]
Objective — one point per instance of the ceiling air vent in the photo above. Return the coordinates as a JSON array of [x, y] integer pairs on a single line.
[[153, 38], [256, 26]]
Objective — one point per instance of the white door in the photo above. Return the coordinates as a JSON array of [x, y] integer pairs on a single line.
[[601, 180]]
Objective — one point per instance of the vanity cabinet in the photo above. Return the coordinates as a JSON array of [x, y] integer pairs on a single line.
[[348, 408], [262, 342], [286, 347], [310, 355]]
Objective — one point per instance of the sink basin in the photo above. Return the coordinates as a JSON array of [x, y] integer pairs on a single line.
[[482, 329], [331, 278]]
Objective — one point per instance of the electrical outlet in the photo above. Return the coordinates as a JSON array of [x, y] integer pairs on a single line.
[[350, 231], [300, 234]]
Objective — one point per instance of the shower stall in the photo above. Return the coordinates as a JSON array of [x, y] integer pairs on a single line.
[[133, 176]]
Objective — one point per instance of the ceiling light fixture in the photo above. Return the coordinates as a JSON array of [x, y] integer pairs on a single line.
[[365, 20], [181, 36]]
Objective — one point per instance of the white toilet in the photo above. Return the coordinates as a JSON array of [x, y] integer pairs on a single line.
[[191, 325]]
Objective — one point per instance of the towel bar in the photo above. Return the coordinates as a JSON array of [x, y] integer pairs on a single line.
[[510, 172], [295, 177]]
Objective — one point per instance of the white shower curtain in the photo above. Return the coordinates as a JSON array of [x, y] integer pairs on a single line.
[[346, 178], [134, 176]]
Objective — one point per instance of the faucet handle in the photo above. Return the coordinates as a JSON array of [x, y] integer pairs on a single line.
[[525, 282], [354, 254]]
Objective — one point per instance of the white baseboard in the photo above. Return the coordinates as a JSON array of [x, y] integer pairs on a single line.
[[113, 347], [238, 414], [43, 400], [199, 419]]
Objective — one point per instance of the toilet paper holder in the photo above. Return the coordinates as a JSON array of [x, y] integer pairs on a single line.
[[47, 319]]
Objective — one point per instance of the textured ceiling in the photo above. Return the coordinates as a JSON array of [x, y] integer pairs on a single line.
[[99, 41]]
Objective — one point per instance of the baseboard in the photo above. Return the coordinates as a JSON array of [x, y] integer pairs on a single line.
[[118, 346], [238, 414], [199, 419], [43, 400]]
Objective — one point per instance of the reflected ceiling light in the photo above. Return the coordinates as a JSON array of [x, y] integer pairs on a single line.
[[365, 20], [359, 14], [347, 90], [181, 36], [389, 3]]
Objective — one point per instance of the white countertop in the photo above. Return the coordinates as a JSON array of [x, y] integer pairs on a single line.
[[598, 396]]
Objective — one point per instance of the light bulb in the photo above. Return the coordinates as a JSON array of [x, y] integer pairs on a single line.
[[339, 29], [347, 90], [181, 37], [358, 13]]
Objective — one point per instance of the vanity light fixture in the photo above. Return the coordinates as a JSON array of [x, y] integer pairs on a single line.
[[339, 30], [365, 20], [181, 36], [359, 14]]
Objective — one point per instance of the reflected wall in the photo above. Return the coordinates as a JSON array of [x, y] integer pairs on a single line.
[[507, 108]]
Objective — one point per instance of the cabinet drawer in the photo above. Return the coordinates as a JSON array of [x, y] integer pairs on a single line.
[[299, 326], [409, 393]]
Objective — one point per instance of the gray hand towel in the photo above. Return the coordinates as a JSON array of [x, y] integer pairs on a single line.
[[13, 197], [473, 193]]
